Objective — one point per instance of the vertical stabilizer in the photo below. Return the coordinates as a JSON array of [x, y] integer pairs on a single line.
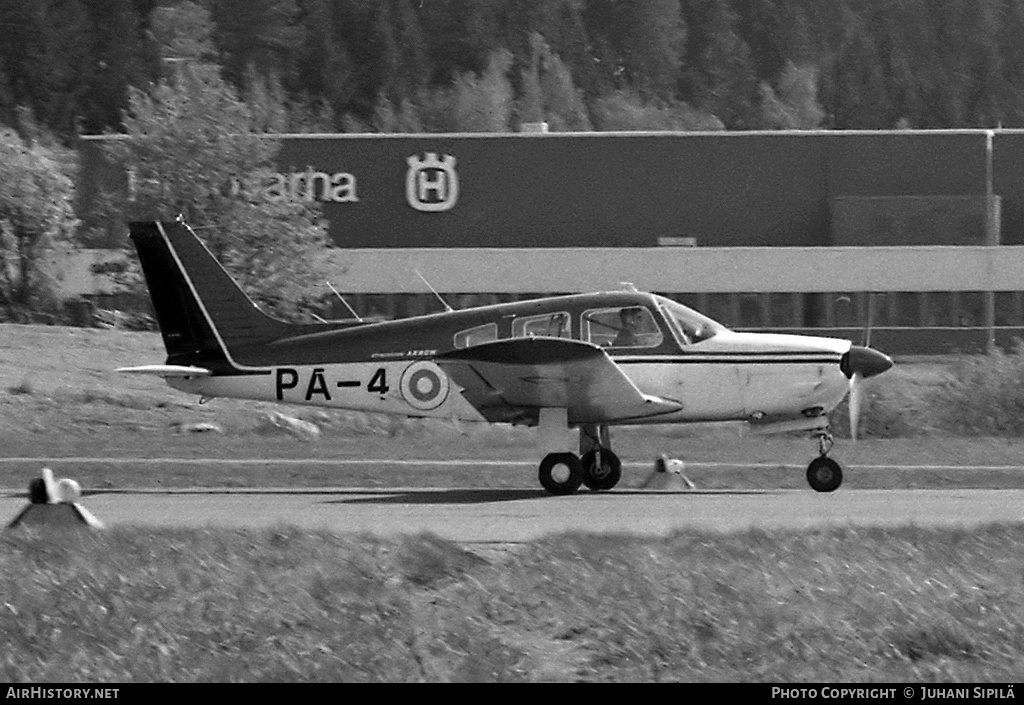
[[205, 318]]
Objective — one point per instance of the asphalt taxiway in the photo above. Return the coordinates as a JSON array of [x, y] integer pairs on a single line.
[[518, 515]]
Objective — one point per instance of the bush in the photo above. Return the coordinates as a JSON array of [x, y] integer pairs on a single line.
[[984, 395]]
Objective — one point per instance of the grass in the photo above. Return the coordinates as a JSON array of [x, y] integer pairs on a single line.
[[844, 605]]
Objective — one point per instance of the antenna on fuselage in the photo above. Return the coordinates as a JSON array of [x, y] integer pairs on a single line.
[[434, 291], [350, 309], [871, 317]]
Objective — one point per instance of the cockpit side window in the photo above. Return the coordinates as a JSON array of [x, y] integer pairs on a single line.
[[622, 327], [475, 336], [551, 325]]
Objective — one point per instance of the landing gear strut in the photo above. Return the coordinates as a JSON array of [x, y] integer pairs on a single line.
[[824, 474], [597, 466]]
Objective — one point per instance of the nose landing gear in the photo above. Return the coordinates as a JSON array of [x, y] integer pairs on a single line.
[[823, 473]]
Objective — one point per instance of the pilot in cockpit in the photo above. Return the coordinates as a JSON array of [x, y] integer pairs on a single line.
[[631, 319]]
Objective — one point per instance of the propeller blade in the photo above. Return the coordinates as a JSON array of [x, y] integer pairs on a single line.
[[856, 398]]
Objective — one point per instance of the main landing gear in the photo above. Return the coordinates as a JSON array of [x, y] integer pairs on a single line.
[[824, 474], [596, 466]]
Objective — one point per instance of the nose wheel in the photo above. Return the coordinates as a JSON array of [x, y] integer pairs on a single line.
[[602, 469], [823, 473]]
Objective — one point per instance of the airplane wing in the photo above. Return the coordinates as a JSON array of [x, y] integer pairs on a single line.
[[167, 370], [507, 379]]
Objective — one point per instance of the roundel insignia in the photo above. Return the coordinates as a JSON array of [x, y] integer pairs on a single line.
[[424, 386]]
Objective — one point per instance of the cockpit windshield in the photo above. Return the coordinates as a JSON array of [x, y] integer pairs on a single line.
[[688, 325]]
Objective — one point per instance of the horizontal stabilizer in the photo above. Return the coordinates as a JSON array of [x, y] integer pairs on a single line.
[[167, 370], [507, 380]]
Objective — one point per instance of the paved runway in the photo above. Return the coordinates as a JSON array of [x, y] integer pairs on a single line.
[[510, 515]]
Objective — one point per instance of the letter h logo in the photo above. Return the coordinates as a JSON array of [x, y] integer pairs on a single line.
[[431, 184]]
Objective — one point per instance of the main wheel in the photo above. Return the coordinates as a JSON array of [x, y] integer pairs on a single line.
[[561, 473], [824, 474], [604, 475]]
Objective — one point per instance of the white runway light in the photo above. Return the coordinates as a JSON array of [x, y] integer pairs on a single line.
[[68, 490]]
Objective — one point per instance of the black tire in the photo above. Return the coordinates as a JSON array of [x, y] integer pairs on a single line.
[[604, 477], [824, 474], [566, 461]]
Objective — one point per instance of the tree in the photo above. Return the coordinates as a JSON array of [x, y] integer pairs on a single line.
[[719, 75], [461, 34], [1011, 29], [549, 93], [484, 103], [119, 58], [274, 111], [908, 51], [187, 141], [859, 99], [562, 26], [640, 44], [655, 37], [388, 48], [36, 214], [794, 104], [325, 72], [262, 34]]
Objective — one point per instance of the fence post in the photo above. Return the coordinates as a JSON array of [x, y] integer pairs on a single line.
[[992, 223]]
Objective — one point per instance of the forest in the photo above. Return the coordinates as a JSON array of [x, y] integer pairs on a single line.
[[491, 65]]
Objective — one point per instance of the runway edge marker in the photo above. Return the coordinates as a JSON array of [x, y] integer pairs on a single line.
[[53, 504]]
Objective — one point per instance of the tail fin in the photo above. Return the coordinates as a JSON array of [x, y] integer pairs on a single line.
[[206, 320]]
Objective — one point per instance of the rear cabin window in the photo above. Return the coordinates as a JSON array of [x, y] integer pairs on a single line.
[[622, 327], [475, 336], [551, 325]]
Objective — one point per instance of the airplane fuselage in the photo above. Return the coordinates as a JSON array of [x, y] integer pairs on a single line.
[[387, 367]]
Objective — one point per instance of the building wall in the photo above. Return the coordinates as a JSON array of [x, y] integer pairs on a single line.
[[1008, 183], [630, 189]]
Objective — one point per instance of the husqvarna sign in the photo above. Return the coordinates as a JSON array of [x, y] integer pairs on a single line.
[[431, 183]]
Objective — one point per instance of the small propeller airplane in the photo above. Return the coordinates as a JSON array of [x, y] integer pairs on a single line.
[[584, 361]]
